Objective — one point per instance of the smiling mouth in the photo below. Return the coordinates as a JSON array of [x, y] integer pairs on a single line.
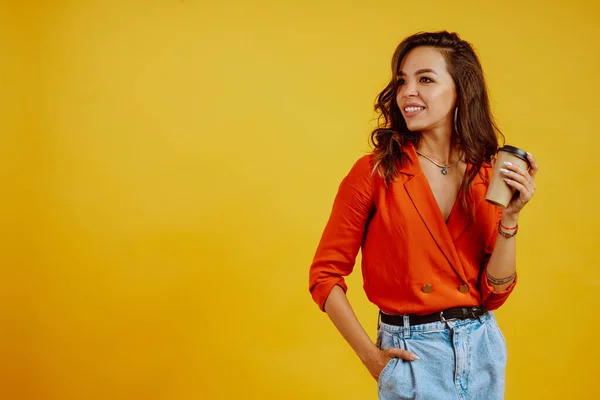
[[413, 109]]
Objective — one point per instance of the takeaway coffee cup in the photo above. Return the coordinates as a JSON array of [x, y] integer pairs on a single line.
[[499, 193]]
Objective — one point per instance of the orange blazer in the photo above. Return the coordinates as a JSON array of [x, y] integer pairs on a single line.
[[412, 260]]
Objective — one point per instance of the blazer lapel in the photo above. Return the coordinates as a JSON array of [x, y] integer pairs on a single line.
[[459, 219], [420, 193], [422, 198]]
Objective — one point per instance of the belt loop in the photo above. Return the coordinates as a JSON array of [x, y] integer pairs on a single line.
[[406, 326], [442, 317], [481, 314]]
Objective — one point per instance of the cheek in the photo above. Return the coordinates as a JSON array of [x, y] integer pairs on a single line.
[[445, 101], [450, 96], [399, 96], [399, 101]]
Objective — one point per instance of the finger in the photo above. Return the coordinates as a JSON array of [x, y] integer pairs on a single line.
[[403, 354], [523, 191], [534, 165], [518, 170], [519, 176]]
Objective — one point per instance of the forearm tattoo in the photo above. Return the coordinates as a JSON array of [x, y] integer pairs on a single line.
[[500, 281]]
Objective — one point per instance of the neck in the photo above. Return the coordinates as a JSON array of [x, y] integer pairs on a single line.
[[439, 146]]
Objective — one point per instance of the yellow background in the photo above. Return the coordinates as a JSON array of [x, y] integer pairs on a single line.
[[167, 168]]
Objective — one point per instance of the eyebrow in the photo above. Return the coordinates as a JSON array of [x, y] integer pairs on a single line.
[[421, 71]]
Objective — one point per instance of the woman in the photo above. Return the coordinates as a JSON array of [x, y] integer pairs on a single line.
[[436, 257]]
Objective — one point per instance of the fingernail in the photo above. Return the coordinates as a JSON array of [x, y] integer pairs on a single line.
[[505, 171], [508, 163], [529, 154], [415, 357]]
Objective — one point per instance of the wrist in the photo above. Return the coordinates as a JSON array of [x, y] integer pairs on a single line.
[[509, 220], [369, 354]]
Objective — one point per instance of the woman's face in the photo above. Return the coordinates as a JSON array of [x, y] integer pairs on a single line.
[[426, 92]]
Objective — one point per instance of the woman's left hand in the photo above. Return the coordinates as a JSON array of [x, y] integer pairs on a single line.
[[521, 180]]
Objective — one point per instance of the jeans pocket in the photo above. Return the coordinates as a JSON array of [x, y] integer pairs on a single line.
[[498, 330], [501, 335], [379, 336], [387, 340], [500, 353], [385, 371]]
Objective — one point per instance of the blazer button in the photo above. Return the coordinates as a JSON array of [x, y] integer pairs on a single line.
[[427, 288], [463, 288]]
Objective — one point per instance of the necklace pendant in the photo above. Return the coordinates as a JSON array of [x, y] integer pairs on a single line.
[[444, 171]]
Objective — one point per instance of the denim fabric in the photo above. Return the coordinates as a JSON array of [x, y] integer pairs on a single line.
[[459, 360]]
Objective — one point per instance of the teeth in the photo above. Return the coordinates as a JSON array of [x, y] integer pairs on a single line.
[[412, 109]]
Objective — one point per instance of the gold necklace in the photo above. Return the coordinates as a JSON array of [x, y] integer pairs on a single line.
[[442, 166]]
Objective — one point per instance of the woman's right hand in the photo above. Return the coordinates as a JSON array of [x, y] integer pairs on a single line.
[[379, 359], [339, 310]]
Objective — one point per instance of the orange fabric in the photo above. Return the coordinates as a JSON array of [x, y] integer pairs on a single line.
[[406, 243]]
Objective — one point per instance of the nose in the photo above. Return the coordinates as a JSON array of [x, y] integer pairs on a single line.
[[409, 90]]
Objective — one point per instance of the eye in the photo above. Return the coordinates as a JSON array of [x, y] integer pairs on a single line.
[[425, 79], [401, 81]]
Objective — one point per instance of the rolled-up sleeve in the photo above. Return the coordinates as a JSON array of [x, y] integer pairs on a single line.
[[491, 298], [342, 237]]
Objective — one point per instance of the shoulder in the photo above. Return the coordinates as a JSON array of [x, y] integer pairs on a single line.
[[364, 165], [362, 173], [362, 168]]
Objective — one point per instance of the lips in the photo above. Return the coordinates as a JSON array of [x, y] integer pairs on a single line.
[[410, 110]]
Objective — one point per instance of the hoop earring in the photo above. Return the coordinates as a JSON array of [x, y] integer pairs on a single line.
[[455, 119]]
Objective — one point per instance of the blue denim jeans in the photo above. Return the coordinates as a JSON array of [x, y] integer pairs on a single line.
[[459, 360]]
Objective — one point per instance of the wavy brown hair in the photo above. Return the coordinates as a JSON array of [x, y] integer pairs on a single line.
[[477, 133]]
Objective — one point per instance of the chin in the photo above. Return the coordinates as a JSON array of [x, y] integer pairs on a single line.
[[415, 127]]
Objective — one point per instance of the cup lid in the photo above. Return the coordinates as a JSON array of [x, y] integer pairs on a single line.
[[522, 154]]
